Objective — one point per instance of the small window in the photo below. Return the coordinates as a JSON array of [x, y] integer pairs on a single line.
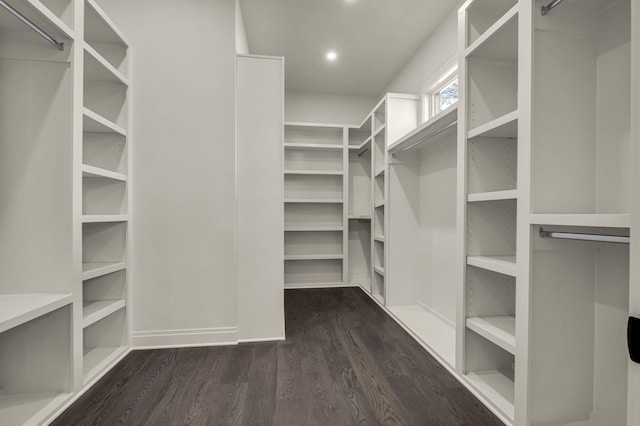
[[442, 94]]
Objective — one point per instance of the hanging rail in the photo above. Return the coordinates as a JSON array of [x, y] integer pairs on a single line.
[[31, 25], [361, 153], [548, 8], [425, 138], [585, 237]]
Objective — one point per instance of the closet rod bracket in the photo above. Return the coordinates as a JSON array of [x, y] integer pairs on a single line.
[[548, 8]]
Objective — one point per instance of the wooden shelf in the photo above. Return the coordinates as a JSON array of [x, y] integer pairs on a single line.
[[111, 35], [505, 265], [314, 146], [314, 257], [501, 127], [94, 123], [16, 309], [379, 270], [97, 360], [98, 269], [496, 387], [104, 218], [511, 194], [94, 311], [96, 172], [314, 172], [314, 229], [96, 68], [435, 123], [30, 408], [589, 220], [500, 41], [313, 201], [499, 330]]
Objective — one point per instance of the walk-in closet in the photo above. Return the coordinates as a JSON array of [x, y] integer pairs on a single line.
[[306, 212]]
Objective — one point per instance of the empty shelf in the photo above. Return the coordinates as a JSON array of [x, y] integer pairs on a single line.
[[502, 127], [311, 146], [314, 172], [97, 360], [111, 33], [96, 172], [496, 387], [501, 264], [313, 200], [500, 41], [594, 220], [94, 311], [379, 270], [314, 257], [363, 217], [96, 68], [313, 228], [380, 129], [500, 331], [16, 309], [380, 172], [98, 269], [30, 408], [379, 238], [94, 123], [511, 194], [104, 218]]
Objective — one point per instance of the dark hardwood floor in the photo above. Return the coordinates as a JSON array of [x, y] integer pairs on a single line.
[[345, 362]]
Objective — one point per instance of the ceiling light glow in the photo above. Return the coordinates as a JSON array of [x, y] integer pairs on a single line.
[[332, 56]]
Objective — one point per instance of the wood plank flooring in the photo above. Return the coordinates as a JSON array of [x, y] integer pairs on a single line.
[[345, 362]]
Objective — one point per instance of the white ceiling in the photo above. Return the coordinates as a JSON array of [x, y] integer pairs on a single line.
[[374, 39]]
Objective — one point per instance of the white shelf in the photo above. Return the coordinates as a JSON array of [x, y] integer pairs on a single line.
[[380, 130], [362, 145], [16, 309], [96, 68], [435, 123], [96, 172], [501, 264], [379, 204], [502, 127], [432, 330], [379, 238], [379, 270], [94, 311], [97, 360], [496, 387], [314, 172], [36, 11], [315, 229], [94, 123], [115, 36], [380, 172], [363, 217], [511, 194], [98, 269], [313, 201], [104, 218], [498, 41], [500, 330], [314, 146], [30, 408], [314, 257], [589, 220]]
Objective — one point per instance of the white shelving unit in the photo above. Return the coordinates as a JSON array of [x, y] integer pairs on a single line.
[[489, 206], [76, 136], [315, 195]]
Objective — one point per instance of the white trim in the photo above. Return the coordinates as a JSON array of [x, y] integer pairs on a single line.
[[263, 340], [163, 339], [318, 285]]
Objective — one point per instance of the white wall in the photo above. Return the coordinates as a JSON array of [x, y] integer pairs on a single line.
[[431, 59], [327, 107], [242, 44], [183, 95]]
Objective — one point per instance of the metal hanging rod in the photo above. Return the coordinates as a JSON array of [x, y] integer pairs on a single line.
[[361, 153], [585, 237], [548, 8], [31, 25], [425, 138]]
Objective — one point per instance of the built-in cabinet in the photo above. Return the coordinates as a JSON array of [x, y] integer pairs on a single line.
[[65, 205]]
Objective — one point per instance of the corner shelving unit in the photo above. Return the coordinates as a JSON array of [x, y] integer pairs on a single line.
[[105, 189], [315, 187], [488, 146]]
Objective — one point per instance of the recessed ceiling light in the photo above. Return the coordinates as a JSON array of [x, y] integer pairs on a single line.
[[332, 56]]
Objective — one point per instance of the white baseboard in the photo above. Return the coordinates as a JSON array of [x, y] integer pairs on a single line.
[[163, 339], [319, 285], [263, 340]]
